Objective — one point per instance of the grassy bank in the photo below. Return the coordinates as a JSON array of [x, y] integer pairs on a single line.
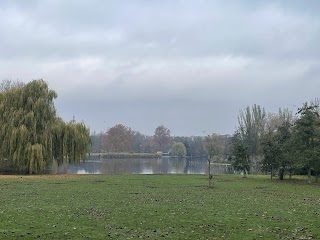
[[123, 155], [157, 207]]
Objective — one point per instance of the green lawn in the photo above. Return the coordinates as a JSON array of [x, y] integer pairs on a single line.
[[157, 207]]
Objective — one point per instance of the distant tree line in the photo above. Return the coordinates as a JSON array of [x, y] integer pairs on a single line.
[[121, 138]]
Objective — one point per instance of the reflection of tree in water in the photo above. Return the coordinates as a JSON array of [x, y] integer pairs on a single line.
[[222, 169], [177, 165], [196, 166], [164, 165], [117, 166], [86, 167], [129, 166], [187, 165]]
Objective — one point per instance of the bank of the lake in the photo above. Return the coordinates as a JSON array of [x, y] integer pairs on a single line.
[[157, 207], [123, 155]]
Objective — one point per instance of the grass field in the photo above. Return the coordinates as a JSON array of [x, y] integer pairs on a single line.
[[157, 207]]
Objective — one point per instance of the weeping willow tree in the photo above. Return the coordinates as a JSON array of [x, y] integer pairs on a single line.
[[31, 134], [70, 142]]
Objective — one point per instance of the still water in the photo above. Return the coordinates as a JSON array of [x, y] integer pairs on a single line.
[[165, 165]]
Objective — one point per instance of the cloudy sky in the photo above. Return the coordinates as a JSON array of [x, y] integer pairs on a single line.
[[188, 65]]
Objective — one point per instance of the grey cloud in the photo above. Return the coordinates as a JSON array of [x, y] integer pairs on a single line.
[[59, 29], [190, 65]]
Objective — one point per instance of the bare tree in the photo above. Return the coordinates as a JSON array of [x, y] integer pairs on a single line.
[[161, 139], [213, 145], [118, 139], [7, 84]]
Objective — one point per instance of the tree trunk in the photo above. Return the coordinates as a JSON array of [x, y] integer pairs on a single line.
[[281, 173], [244, 173], [290, 173], [271, 173], [209, 173], [309, 175]]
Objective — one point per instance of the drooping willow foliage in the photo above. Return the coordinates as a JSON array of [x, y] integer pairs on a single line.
[[70, 142], [31, 134]]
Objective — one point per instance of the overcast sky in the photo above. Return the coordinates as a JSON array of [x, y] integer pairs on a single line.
[[188, 65]]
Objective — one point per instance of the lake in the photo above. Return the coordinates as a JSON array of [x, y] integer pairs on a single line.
[[164, 165]]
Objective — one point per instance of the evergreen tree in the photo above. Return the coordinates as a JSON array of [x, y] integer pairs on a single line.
[[307, 138], [277, 148], [241, 158], [271, 151], [284, 144]]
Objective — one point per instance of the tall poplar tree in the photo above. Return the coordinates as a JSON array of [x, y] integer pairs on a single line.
[[252, 122]]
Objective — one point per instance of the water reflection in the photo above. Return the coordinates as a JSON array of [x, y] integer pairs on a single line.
[[148, 166]]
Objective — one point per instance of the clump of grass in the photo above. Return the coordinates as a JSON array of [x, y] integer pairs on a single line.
[[157, 206]]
